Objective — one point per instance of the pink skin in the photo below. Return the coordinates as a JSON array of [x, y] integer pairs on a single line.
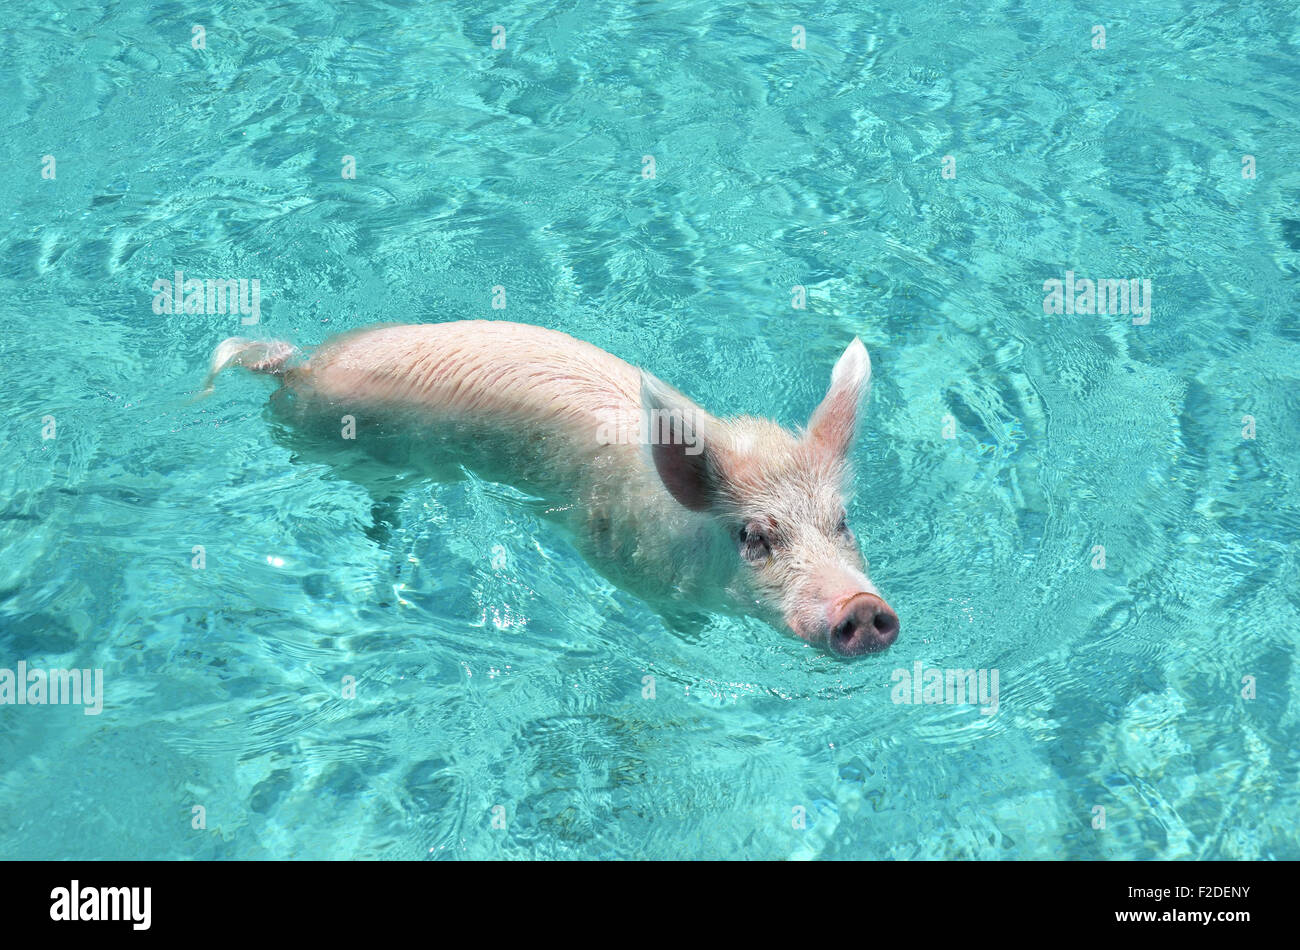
[[738, 514], [861, 623]]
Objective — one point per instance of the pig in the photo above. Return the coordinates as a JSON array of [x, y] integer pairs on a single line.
[[737, 514]]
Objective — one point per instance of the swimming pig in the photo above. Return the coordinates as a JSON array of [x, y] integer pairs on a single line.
[[738, 513]]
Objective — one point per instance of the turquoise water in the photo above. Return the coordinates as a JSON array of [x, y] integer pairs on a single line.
[[493, 666]]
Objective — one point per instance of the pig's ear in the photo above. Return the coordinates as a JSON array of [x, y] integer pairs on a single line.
[[675, 429], [835, 421]]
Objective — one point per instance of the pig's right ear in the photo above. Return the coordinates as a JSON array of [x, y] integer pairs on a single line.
[[675, 429]]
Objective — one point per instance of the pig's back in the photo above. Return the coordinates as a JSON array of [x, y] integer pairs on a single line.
[[474, 370]]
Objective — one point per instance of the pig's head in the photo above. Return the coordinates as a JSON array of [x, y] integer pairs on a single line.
[[780, 496]]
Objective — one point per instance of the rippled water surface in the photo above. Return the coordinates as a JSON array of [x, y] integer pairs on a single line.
[[493, 666]]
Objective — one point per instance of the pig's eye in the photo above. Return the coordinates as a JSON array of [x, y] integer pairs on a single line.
[[842, 526], [754, 544]]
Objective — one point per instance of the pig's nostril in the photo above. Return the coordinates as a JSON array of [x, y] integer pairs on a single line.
[[845, 631], [851, 637], [886, 623]]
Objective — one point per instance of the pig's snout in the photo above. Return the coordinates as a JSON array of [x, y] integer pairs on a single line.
[[864, 624]]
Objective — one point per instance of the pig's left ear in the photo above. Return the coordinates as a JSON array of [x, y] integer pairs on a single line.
[[677, 432], [835, 421]]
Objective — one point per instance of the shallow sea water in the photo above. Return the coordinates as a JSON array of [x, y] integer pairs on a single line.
[[493, 666]]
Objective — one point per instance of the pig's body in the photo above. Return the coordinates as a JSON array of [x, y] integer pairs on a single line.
[[475, 370], [565, 420]]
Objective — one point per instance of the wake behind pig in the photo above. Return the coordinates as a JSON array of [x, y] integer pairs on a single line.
[[738, 514]]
